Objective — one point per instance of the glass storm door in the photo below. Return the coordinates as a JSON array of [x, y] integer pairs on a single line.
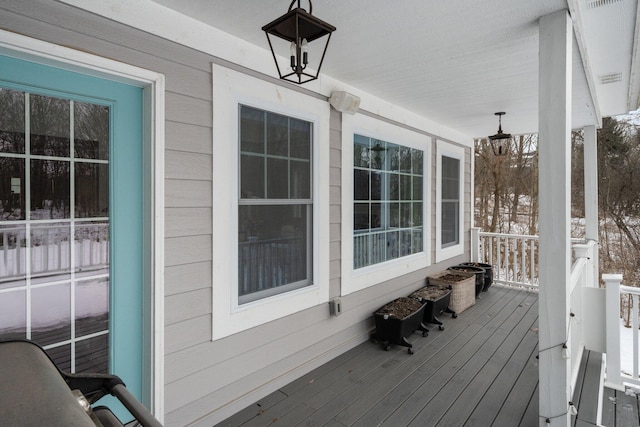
[[71, 217]]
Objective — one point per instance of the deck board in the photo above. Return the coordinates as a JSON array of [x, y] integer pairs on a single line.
[[481, 370]]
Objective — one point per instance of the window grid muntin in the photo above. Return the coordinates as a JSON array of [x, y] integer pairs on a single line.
[[375, 245], [304, 203]]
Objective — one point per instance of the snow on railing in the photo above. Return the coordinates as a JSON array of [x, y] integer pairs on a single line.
[[616, 375]]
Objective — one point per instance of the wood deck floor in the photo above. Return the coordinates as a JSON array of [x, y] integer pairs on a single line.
[[481, 370]]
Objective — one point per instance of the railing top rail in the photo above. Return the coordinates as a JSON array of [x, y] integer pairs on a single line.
[[519, 236], [630, 290], [577, 240]]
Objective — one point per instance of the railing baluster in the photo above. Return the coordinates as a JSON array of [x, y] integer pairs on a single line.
[[634, 324]]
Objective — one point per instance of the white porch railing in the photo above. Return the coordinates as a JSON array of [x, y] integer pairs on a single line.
[[617, 376], [514, 257], [582, 277], [515, 262]]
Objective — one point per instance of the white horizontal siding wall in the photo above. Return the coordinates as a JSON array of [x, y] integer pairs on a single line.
[[206, 381]]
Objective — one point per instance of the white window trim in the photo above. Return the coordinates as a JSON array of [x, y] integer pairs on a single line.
[[448, 150], [356, 280], [153, 86], [231, 88]]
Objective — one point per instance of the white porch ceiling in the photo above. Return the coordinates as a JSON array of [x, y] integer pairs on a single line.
[[458, 62]]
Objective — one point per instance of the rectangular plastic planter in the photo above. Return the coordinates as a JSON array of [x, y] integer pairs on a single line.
[[392, 330], [436, 300]]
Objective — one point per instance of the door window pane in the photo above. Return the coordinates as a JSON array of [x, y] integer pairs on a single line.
[[92, 306], [91, 131], [51, 314], [50, 252], [12, 121], [13, 256], [12, 189], [55, 255], [50, 188], [13, 315], [91, 190], [50, 121]]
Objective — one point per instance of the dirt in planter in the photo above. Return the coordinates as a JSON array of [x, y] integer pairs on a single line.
[[452, 278], [400, 308], [430, 293]]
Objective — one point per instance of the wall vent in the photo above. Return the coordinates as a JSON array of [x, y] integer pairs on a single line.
[[610, 78], [592, 4]]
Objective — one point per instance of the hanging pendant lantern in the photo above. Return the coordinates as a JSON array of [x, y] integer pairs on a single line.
[[500, 142], [299, 28]]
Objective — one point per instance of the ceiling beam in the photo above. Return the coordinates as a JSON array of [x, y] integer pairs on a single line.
[[575, 11]]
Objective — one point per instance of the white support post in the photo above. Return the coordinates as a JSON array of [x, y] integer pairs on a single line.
[[591, 196], [555, 37], [612, 316], [475, 244]]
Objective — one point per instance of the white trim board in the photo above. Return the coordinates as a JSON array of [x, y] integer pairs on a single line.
[[231, 88]]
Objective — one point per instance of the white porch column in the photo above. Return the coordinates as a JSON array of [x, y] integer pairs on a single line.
[[591, 196], [554, 150]]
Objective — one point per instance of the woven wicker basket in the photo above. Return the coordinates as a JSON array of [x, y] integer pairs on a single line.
[[463, 293]]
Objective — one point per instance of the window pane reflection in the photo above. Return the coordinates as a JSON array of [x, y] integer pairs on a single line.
[[49, 189], [91, 190], [91, 131], [12, 189], [50, 126], [51, 314], [13, 315], [61, 356], [273, 244], [50, 252], [11, 121], [13, 242], [92, 307], [92, 355], [91, 242]]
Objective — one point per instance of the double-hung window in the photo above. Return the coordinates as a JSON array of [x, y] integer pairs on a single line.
[[449, 201], [274, 204], [387, 203], [450, 230]]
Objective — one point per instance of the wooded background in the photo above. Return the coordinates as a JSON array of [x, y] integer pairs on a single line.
[[506, 190]]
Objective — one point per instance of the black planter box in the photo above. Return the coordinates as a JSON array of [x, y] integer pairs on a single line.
[[435, 303], [392, 330], [488, 273]]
